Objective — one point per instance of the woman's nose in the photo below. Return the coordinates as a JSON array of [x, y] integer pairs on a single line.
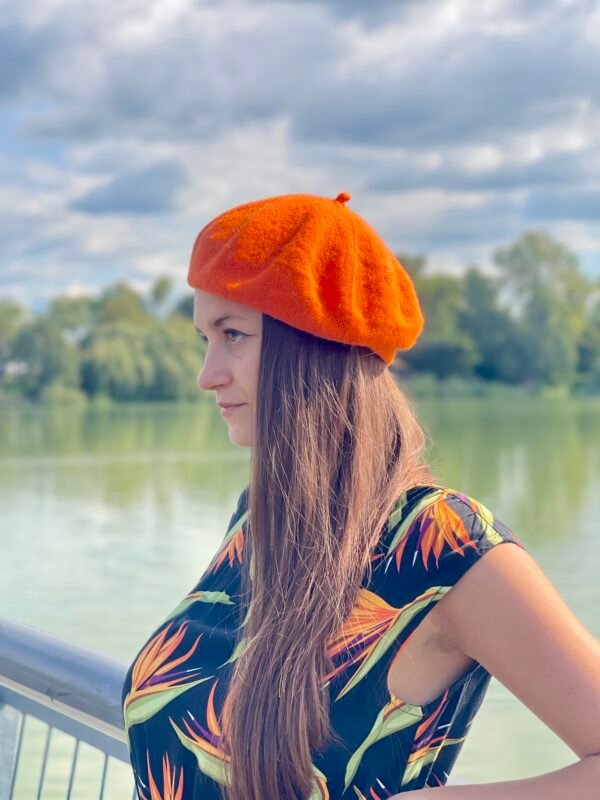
[[211, 374]]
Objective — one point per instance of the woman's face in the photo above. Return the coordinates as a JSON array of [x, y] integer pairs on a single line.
[[230, 367]]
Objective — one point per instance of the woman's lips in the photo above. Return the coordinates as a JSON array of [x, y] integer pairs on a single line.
[[226, 411]]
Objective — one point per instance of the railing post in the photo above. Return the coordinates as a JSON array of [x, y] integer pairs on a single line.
[[11, 728]]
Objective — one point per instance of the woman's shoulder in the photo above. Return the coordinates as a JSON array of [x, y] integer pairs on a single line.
[[241, 511], [439, 527]]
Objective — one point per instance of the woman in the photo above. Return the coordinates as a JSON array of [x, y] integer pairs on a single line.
[[342, 638]]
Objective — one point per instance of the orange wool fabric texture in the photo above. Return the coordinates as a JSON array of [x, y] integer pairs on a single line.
[[313, 263]]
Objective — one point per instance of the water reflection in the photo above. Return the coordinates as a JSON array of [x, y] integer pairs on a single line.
[[533, 461], [110, 517]]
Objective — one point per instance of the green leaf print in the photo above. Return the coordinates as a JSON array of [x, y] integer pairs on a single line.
[[486, 520], [142, 708], [237, 652], [391, 718], [389, 637], [208, 763], [320, 792], [414, 767], [200, 597]]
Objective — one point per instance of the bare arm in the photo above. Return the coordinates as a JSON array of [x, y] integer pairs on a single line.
[[506, 614], [580, 780]]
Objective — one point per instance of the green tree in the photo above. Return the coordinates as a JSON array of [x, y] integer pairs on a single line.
[[12, 317], [442, 347], [588, 355], [547, 294], [159, 294], [176, 354], [414, 265], [157, 361], [500, 342], [74, 316], [120, 303], [445, 357], [554, 347], [48, 358], [115, 362], [185, 307]]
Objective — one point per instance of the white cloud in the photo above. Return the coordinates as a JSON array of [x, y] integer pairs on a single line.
[[445, 120]]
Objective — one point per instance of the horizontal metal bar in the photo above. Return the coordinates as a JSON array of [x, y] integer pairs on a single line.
[[59, 718], [69, 687], [62, 675]]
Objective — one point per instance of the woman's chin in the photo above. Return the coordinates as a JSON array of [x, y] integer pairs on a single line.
[[239, 437]]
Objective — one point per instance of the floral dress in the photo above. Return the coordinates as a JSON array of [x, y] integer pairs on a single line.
[[178, 681]]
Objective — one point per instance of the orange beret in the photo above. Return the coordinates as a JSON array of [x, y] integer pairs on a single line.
[[312, 263]]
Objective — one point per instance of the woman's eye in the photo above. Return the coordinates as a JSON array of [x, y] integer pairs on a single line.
[[235, 333], [226, 332]]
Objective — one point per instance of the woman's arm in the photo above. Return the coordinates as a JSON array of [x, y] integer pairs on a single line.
[[505, 613], [580, 781]]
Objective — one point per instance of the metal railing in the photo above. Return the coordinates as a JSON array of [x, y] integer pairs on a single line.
[[68, 688]]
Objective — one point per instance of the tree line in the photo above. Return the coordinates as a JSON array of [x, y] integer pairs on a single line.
[[534, 322]]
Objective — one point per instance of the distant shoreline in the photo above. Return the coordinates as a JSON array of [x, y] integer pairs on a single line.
[[417, 386]]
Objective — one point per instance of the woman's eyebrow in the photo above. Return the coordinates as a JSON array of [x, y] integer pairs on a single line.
[[217, 322]]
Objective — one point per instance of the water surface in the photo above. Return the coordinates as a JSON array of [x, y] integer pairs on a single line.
[[110, 517]]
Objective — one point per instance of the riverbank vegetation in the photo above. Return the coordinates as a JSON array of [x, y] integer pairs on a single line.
[[531, 325]]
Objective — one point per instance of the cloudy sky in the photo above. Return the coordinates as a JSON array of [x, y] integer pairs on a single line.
[[126, 126]]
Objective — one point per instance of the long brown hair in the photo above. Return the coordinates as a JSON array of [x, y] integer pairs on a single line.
[[336, 442]]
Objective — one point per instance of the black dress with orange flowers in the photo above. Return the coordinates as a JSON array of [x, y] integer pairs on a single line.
[[178, 681]]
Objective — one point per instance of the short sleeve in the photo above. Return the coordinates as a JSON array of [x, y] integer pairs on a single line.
[[436, 543], [239, 514]]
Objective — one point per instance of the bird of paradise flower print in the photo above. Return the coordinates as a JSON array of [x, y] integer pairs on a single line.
[[439, 526], [204, 741], [169, 792], [442, 526], [372, 795], [155, 680], [371, 628], [395, 716], [178, 689], [426, 745], [231, 549]]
